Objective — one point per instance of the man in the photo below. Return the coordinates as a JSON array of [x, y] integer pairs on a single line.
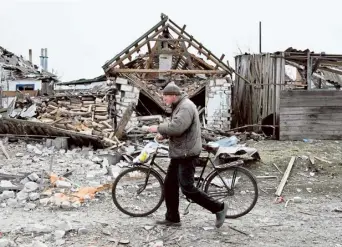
[[184, 133]]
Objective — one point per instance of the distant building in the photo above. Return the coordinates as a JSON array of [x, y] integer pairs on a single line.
[[18, 74]]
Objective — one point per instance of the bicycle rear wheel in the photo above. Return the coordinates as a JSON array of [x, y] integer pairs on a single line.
[[138, 191], [241, 194]]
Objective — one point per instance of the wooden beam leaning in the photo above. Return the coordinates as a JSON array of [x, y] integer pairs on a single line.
[[285, 177]]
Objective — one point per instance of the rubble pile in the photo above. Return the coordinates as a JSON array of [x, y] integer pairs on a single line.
[[37, 176]]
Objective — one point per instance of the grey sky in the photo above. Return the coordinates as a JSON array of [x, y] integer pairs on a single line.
[[82, 35]]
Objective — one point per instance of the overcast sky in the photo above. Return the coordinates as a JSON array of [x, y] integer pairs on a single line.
[[82, 35]]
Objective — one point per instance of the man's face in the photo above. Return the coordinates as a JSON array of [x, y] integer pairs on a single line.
[[169, 99]]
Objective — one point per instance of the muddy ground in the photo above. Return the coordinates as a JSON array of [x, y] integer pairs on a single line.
[[311, 222]]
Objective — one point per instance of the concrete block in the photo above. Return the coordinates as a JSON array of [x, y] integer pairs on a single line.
[[211, 83], [126, 88], [136, 90], [220, 82], [130, 95], [121, 81], [129, 100], [227, 85]]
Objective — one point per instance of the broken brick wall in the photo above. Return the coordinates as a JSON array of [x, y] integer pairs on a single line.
[[125, 95], [218, 104]]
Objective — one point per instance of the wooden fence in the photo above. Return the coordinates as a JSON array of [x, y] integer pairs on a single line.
[[312, 114], [258, 99]]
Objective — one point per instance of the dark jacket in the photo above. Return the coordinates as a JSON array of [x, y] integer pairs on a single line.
[[184, 130]]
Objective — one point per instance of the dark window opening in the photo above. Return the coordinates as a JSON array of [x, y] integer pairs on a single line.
[[25, 87]]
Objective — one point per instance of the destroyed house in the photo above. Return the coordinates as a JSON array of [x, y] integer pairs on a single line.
[[18, 74], [167, 52]]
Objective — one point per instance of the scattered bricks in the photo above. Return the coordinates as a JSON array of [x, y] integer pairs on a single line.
[[33, 177], [121, 81], [5, 183], [126, 88], [44, 201], [22, 195], [30, 206], [66, 205], [227, 85], [7, 194], [34, 196], [19, 155], [211, 83], [31, 186], [12, 202], [63, 184], [59, 234]]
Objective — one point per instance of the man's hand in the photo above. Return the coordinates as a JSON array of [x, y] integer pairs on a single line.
[[153, 129], [159, 137]]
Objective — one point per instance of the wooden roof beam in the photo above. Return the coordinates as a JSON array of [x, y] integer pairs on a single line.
[[171, 71], [207, 53], [134, 50], [198, 45], [155, 27]]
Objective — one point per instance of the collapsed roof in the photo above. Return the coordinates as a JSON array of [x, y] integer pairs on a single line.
[[21, 68], [167, 52]]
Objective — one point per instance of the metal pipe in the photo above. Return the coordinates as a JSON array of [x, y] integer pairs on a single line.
[[260, 37], [46, 60], [30, 55], [42, 58]]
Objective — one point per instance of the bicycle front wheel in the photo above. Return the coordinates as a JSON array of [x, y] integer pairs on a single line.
[[138, 191], [235, 186]]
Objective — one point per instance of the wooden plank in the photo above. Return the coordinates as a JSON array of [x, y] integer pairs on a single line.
[[318, 102], [314, 123], [305, 93], [123, 122], [285, 177], [310, 110], [312, 116], [4, 150], [300, 136]]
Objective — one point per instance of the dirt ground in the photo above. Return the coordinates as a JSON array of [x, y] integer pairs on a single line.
[[311, 222]]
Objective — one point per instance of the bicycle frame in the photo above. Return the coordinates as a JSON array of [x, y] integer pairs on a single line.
[[199, 183]]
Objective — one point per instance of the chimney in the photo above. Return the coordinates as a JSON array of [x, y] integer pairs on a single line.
[[42, 58], [30, 55], [46, 60]]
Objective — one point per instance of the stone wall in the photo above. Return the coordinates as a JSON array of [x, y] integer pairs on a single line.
[[218, 104], [126, 94]]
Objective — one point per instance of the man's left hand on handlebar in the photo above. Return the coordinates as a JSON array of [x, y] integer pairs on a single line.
[[153, 128]]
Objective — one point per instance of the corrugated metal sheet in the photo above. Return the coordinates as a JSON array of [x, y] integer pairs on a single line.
[[332, 77]]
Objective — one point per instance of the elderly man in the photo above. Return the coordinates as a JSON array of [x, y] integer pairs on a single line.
[[184, 133]]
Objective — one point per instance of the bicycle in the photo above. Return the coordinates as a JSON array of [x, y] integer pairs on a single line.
[[216, 184]]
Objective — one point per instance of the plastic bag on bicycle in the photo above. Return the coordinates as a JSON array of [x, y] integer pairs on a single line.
[[145, 154]]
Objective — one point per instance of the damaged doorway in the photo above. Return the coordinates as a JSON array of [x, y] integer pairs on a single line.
[[146, 106]]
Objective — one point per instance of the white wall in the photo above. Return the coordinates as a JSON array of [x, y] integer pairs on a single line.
[[79, 86], [11, 85], [7, 101]]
